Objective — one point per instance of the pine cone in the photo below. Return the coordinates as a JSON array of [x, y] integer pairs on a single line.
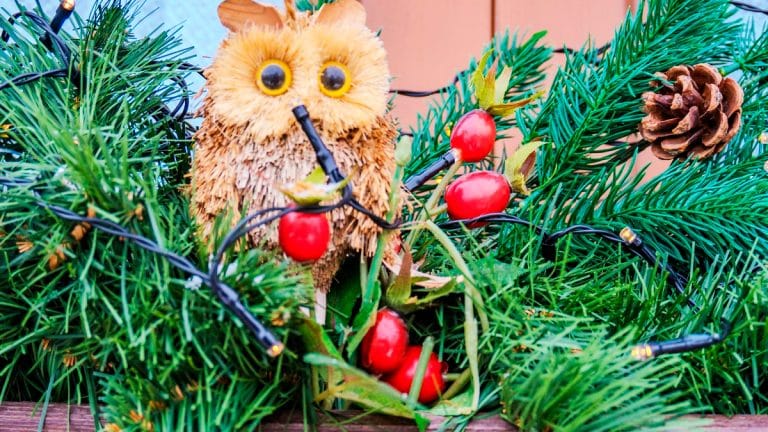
[[697, 115]]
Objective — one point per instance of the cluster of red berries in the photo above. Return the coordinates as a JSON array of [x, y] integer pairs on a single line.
[[479, 192], [385, 351]]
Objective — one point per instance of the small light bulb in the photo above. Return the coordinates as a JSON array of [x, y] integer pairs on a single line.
[[763, 137], [276, 350], [629, 236], [68, 5], [642, 352]]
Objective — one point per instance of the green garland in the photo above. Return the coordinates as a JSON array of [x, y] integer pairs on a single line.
[[106, 323]]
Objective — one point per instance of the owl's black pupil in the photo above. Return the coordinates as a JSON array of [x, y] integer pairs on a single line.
[[273, 77], [333, 78]]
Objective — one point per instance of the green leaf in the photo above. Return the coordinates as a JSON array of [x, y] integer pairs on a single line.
[[403, 150], [519, 166], [344, 294], [361, 388], [316, 339], [317, 176], [365, 319], [506, 109], [460, 405], [415, 303], [400, 290]]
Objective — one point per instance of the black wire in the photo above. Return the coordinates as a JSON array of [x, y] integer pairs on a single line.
[[549, 242], [32, 77], [58, 46], [636, 246], [565, 50], [427, 93], [749, 7]]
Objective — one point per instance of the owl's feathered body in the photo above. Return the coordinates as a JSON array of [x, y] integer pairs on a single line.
[[249, 142]]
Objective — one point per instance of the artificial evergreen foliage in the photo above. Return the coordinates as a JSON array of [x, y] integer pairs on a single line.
[[90, 318]]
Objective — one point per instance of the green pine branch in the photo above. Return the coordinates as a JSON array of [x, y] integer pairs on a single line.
[[590, 106]]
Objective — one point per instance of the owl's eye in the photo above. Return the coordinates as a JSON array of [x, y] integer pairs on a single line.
[[334, 79], [274, 77]]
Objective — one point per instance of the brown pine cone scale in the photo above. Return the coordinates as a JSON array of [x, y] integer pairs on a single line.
[[695, 112]]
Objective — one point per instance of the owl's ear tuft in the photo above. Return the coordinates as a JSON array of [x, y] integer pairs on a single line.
[[237, 15], [342, 11]]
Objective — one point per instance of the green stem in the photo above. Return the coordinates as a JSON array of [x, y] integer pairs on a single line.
[[430, 208], [381, 246], [472, 300], [458, 384], [458, 260], [421, 369], [470, 340]]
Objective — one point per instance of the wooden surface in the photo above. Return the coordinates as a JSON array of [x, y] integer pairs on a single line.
[[25, 417]]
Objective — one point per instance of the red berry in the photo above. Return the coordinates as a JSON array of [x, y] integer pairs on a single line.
[[384, 345], [433, 384], [304, 236], [474, 136], [476, 194]]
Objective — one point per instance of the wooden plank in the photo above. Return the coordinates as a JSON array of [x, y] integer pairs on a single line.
[[25, 417]]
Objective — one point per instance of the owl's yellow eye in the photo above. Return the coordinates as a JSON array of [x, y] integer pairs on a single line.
[[274, 77], [334, 79]]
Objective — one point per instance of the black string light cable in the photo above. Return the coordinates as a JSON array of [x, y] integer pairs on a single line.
[[63, 12], [749, 7], [630, 241]]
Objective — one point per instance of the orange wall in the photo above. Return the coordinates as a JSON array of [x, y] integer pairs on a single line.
[[428, 41]]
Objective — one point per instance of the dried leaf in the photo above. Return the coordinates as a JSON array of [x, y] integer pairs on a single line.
[[313, 189], [502, 109], [424, 280], [400, 290], [501, 85], [520, 165], [484, 84], [402, 300]]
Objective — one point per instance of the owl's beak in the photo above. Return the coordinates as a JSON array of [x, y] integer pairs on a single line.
[[324, 155]]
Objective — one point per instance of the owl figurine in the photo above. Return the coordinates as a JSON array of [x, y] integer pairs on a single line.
[[249, 142]]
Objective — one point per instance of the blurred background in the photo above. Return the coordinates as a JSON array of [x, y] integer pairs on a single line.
[[428, 41]]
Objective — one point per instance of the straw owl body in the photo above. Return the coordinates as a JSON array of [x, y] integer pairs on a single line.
[[249, 142]]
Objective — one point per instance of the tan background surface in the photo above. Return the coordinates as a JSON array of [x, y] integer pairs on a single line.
[[428, 41]]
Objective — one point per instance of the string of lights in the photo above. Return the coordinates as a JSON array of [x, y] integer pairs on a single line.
[[229, 297]]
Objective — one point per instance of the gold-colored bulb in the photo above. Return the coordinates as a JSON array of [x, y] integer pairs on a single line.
[[628, 235], [68, 5], [276, 349], [763, 138], [642, 352]]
